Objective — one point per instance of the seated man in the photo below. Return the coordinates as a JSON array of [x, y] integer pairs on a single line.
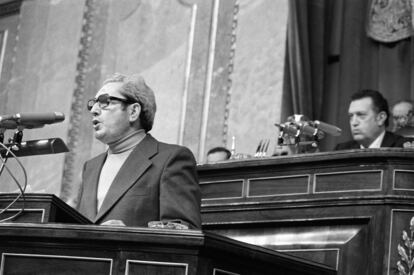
[[139, 179], [218, 154], [368, 118], [402, 114]]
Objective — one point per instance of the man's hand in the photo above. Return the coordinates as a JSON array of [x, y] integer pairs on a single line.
[[114, 222]]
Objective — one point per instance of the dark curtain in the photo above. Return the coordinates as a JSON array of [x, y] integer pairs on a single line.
[[329, 57]]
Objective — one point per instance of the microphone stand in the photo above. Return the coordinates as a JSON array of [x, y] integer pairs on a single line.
[[3, 163], [2, 130], [17, 140], [17, 148]]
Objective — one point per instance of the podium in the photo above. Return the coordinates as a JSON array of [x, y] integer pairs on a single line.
[[62, 242], [345, 209], [40, 208]]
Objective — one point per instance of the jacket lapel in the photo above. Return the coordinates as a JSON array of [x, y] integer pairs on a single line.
[[388, 140], [89, 200], [135, 165]]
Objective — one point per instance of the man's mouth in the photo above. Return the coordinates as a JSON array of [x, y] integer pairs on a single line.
[[95, 124]]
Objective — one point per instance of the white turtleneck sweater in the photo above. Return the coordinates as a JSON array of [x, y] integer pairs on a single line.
[[117, 153]]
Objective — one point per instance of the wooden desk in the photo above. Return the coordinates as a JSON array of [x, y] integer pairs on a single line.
[[50, 237], [39, 208], [92, 249], [346, 209]]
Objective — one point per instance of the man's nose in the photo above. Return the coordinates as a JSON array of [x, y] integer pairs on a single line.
[[354, 121], [402, 119], [95, 110]]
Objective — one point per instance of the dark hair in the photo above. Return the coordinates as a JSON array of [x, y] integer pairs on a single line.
[[379, 102], [219, 149], [134, 88]]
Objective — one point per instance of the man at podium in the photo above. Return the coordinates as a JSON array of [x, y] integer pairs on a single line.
[[139, 179]]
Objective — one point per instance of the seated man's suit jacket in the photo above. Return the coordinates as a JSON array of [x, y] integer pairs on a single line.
[[158, 181], [390, 140]]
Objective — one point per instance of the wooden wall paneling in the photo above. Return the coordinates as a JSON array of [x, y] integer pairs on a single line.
[[358, 203]]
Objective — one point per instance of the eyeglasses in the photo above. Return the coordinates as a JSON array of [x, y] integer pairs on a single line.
[[406, 117], [103, 101]]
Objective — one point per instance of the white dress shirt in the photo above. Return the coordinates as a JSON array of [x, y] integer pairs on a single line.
[[377, 142]]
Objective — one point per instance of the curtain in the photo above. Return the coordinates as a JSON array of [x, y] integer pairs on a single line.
[[329, 57], [304, 70]]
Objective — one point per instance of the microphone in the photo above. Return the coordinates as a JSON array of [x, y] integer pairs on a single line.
[[328, 128], [30, 120], [309, 130], [288, 129], [36, 147], [11, 124]]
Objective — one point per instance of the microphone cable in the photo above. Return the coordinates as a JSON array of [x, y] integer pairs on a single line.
[[21, 189]]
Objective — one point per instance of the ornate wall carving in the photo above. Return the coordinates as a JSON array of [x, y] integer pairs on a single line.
[[78, 102]]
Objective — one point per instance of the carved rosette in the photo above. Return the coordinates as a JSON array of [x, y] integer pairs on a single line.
[[390, 20], [406, 251]]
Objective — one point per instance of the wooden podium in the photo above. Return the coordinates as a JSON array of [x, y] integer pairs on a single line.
[[346, 209], [40, 208], [61, 241]]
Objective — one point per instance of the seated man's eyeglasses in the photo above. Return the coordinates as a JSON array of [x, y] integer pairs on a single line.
[[104, 100], [403, 117]]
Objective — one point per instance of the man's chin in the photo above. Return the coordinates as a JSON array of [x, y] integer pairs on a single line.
[[362, 140], [358, 137], [99, 136]]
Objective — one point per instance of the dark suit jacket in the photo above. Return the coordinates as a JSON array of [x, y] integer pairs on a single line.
[[158, 181], [390, 140]]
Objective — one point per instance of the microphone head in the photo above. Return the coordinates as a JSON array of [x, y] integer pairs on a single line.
[[37, 147], [39, 118], [309, 130], [59, 116], [30, 120], [328, 128], [291, 130]]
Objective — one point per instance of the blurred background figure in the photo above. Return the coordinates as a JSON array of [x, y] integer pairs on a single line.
[[402, 116], [218, 154]]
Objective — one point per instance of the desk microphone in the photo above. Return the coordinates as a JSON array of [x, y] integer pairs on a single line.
[[30, 120], [328, 128], [288, 129], [309, 130]]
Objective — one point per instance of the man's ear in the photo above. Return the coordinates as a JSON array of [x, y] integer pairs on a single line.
[[134, 112], [381, 117]]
